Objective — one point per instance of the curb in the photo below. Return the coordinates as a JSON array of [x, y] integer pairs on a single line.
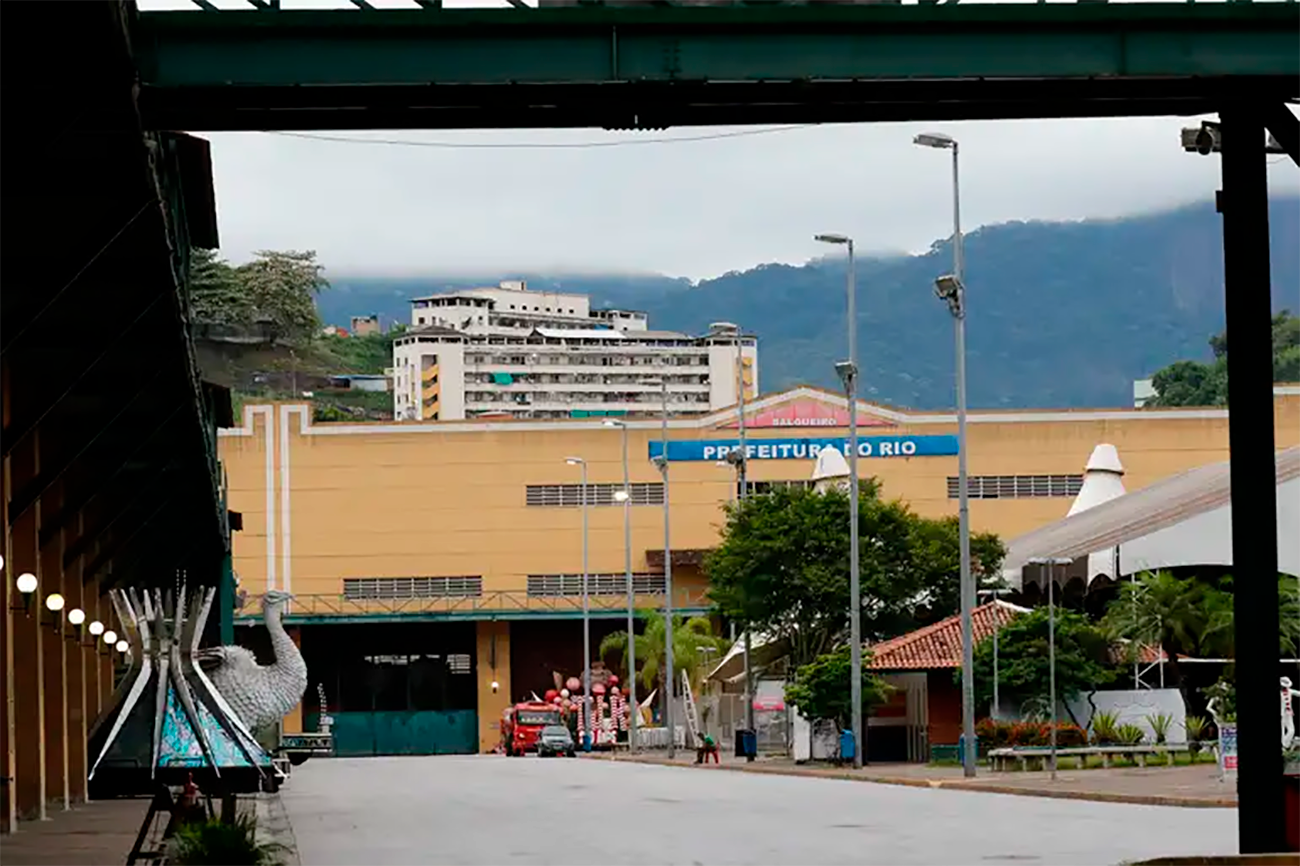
[[954, 785]]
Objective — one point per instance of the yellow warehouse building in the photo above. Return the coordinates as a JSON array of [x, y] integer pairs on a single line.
[[437, 565]]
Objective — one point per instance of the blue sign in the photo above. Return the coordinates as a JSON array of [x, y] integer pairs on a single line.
[[807, 449]]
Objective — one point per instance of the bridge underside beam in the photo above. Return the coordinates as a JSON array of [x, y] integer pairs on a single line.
[[648, 68]]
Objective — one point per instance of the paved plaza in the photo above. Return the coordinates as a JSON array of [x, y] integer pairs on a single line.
[[497, 810]]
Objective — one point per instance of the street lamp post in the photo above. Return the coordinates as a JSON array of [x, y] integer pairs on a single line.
[[952, 290], [662, 463], [625, 496], [586, 614], [1049, 563], [997, 627], [848, 373], [740, 459]]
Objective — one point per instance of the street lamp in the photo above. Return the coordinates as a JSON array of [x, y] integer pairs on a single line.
[[625, 496], [952, 291], [1049, 562], [997, 627], [26, 585], [740, 459], [586, 620], [848, 373], [586, 614], [661, 463]]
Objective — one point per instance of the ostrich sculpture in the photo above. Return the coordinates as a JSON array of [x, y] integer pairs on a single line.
[[259, 695]]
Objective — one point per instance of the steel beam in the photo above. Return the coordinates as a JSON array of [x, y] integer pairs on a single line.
[[1261, 810], [65, 515], [119, 340], [636, 67], [1285, 128], [34, 489], [117, 546], [83, 542]]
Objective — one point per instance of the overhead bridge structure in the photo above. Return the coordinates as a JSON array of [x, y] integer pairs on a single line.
[[103, 199]]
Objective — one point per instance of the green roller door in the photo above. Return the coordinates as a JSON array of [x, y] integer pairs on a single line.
[[411, 732]]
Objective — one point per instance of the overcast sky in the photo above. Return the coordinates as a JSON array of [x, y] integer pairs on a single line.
[[690, 208]]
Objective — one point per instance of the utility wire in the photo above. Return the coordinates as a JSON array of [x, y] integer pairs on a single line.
[[539, 145]]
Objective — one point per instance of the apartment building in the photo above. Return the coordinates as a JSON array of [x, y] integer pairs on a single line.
[[510, 351]]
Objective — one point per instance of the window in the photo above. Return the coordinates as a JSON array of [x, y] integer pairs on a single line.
[[1017, 486], [757, 488], [570, 495], [556, 585], [362, 588]]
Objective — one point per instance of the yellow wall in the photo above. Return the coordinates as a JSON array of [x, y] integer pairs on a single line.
[[447, 499], [491, 704]]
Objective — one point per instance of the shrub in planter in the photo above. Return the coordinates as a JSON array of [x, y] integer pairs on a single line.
[[993, 734], [1028, 734], [1105, 728], [1198, 729], [1160, 724], [1130, 735], [1070, 736], [215, 843]]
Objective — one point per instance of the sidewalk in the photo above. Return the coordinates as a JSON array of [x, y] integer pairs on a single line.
[[90, 834], [1196, 786]]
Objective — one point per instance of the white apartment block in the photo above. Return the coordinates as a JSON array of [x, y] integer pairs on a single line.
[[511, 351]]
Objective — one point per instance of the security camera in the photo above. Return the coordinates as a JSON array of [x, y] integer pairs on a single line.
[[1204, 142], [846, 370]]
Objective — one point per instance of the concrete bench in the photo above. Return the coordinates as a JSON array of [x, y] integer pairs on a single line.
[[1023, 756]]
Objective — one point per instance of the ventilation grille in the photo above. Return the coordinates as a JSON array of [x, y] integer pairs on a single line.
[[555, 585], [570, 495], [1017, 486], [360, 588]]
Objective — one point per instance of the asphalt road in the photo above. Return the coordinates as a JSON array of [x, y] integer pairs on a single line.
[[497, 810]]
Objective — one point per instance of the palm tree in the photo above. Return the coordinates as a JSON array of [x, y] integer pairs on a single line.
[[1178, 615], [693, 645]]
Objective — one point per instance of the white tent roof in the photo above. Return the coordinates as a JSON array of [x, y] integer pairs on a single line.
[[1103, 480], [1182, 520]]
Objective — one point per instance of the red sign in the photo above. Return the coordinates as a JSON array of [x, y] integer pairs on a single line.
[[808, 413]]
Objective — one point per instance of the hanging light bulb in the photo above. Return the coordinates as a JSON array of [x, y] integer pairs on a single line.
[[54, 602], [76, 616], [96, 628], [26, 583], [123, 646], [110, 637]]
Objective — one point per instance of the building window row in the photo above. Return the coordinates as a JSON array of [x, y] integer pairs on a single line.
[[1017, 486], [650, 398], [559, 585], [757, 488], [592, 359], [396, 588], [570, 495]]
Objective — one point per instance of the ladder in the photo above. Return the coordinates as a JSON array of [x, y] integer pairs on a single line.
[[692, 714]]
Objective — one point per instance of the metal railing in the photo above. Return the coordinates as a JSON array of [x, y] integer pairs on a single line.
[[502, 603]]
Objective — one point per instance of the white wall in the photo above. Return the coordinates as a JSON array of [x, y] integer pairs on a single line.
[[1133, 707]]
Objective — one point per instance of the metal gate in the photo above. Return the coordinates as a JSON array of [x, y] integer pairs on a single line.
[[410, 732]]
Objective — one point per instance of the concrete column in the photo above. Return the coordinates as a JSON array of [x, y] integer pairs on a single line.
[[28, 648], [56, 658], [292, 721], [76, 666], [9, 597], [492, 664]]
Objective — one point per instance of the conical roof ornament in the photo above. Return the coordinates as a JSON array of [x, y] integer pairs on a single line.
[[1103, 480], [831, 471]]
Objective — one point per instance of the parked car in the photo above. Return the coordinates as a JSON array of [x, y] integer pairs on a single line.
[[555, 740]]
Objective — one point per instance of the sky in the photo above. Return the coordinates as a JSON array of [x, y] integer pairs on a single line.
[[686, 202]]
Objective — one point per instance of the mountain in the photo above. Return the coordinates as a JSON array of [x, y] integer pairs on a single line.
[[1060, 314]]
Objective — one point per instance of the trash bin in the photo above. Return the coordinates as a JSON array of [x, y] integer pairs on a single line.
[[746, 743], [848, 746]]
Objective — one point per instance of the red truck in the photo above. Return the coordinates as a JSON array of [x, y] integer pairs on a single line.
[[522, 723]]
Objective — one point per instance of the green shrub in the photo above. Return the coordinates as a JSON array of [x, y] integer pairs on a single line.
[[214, 843], [1105, 728], [1130, 735], [1160, 724], [1198, 729]]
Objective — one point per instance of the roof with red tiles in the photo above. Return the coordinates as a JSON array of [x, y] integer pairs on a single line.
[[939, 645]]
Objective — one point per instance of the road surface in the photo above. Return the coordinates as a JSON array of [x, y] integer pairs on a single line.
[[569, 812]]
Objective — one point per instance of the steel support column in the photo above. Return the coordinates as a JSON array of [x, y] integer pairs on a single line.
[[1243, 201]]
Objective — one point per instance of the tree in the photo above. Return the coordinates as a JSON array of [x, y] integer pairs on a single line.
[[1179, 615], [822, 689], [282, 288], [694, 645], [217, 296], [1083, 660], [1192, 383], [783, 567]]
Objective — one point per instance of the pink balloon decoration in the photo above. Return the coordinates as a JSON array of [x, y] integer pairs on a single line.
[[574, 684], [613, 679], [551, 694]]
